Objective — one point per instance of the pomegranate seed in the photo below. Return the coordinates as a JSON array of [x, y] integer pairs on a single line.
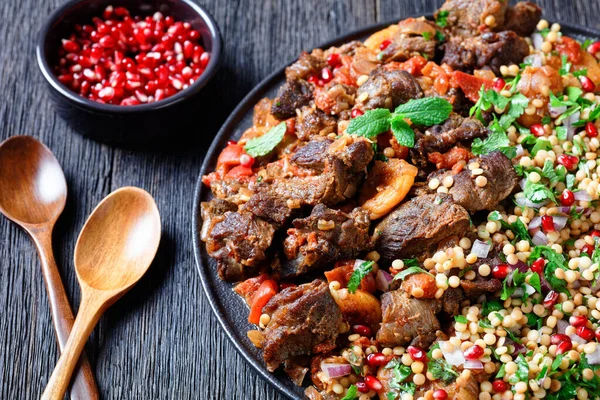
[[416, 353], [440, 394], [567, 198], [595, 233], [106, 93], [246, 160], [585, 333], [588, 249], [362, 387], [537, 130], [231, 142], [597, 333], [473, 352], [578, 320], [550, 299], [500, 271], [70, 46], [548, 223], [563, 347], [362, 330], [594, 47], [107, 42], [499, 84], [326, 75], [499, 386], [559, 337], [385, 44], [65, 79], [591, 130], [376, 359], [204, 59], [356, 113], [373, 383], [587, 84], [538, 265], [121, 11], [568, 161], [333, 60]]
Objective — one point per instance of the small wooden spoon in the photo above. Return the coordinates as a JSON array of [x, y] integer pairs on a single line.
[[33, 193], [115, 248]]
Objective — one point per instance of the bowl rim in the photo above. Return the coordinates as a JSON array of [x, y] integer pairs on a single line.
[[85, 103]]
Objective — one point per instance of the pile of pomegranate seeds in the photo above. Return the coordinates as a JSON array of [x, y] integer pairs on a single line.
[[127, 60]]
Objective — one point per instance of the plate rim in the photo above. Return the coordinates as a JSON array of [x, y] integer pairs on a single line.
[[230, 124]]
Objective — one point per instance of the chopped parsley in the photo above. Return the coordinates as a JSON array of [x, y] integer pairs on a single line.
[[555, 261], [352, 393], [410, 271], [522, 374], [461, 319], [522, 280], [517, 227], [359, 273], [442, 18], [565, 67], [440, 368], [490, 306], [497, 140]]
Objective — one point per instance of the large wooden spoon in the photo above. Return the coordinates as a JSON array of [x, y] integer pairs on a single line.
[[115, 248], [33, 193]]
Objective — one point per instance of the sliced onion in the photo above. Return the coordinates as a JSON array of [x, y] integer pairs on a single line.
[[556, 112], [535, 60], [567, 210], [568, 123], [525, 202], [539, 238], [481, 249], [594, 358], [383, 280], [358, 263], [535, 222], [336, 370], [363, 67], [473, 364], [577, 339], [518, 293], [520, 150], [454, 357], [529, 289], [582, 195], [559, 221], [537, 40], [562, 326], [523, 183]]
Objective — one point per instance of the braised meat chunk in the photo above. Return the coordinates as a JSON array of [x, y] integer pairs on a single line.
[[501, 181], [488, 51], [335, 98], [292, 96], [408, 320], [212, 212], [305, 320], [325, 172], [312, 121], [238, 242], [388, 89], [468, 17], [306, 65], [414, 37], [419, 225], [323, 238], [456, 129], [523, 18]]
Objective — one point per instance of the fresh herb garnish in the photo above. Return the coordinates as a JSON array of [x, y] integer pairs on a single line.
[[410, 271], [555, 261], [426, 111], [359, 273], [497, 140], [264, 144], [461, 319], [442, 370], [352, 393], [442, 18], [522, 374], [517, 227], [565, 67], [490, 306]]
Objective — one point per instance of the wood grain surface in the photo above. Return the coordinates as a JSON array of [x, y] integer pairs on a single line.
[[160, 341]]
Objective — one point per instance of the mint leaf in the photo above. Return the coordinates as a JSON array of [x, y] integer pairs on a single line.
[[403, 133], [409, 271], [359, 273], [264, 144], [371, 123], [426, 111]]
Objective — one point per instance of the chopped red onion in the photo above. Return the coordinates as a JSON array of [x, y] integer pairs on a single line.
[[518, 293], [535, 60], [336, 370], [537, 40], [525, 202], [594, 358], [454, 357], [529, 289], [559, 222], [567, 210], [556, 112], [473, 364], [577, 339], [520, 150], [582, 195], [523, 183], [535, 222], [383, 280], [358, 263], [539, 238], [568, 123], [561, 326], [481, 249]]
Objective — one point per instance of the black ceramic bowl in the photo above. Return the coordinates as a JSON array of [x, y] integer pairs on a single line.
[[144, 123]]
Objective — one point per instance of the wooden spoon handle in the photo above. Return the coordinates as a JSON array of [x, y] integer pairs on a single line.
[[90, 310], [84, 385]]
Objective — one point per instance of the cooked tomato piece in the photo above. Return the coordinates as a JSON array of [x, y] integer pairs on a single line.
[[570, 48], [265, 292], [413, 65], [247, 288], [424, 281], [470, 85], [240, 172], [449, 158], [230, 156], [440, 77], [342, 273]]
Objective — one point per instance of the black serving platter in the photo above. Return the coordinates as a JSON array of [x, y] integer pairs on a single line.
[[228, 307]]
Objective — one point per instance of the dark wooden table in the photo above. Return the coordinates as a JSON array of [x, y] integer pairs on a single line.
[[161, 340]]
